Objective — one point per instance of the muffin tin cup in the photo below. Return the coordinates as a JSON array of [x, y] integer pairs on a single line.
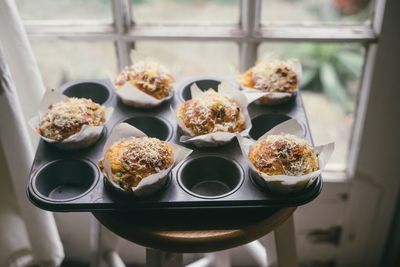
[[265, 122], [203, 83], [217, 138], [88, 135], [180, 190], [150, 184], [210, 176], [152, 126], [131, 96], [280, 186], [95, 90], [286, 183], [65, 180], [279, 98]]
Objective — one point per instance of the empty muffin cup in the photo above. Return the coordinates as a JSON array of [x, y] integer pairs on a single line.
[[265, 122], [210, 176], [152, 126], [97, 92], [202, 84], [65, 179]]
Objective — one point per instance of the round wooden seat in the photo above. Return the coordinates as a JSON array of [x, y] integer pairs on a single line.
[[202, 231]]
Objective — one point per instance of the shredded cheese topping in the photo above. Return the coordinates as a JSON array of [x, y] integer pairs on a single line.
[[274, 76], [149, 77], [211, 112], [135, 158], [284, 155], [66, 118]]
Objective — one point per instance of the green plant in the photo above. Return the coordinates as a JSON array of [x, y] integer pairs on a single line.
[[330, 68]]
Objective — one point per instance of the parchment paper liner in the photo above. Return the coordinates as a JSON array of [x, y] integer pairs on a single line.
[[151, 183], [87, 136], [219, 138], [286, 183], [131, 96], [275, 98]]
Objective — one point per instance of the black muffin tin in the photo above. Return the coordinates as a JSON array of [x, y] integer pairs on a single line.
[[210, 178]]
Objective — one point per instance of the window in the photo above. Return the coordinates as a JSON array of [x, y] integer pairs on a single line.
[[74, 40]]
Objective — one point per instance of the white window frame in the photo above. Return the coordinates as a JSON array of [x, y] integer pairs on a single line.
[[248, 34]]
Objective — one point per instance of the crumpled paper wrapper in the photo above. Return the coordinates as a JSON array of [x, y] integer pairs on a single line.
[[151, 183], [219, 138], [286, 183], [87, 136], [131, 96], [276, 98]]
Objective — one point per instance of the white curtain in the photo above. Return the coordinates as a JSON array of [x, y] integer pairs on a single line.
[[26, 232]]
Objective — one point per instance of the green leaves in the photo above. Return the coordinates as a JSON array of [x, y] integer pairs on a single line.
[[330, 68], [333, 87]]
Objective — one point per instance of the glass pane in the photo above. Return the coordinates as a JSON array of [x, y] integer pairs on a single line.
[[330, 84], [186, 11], [65, 9], [326, 11], [204, 58], [62, 61]]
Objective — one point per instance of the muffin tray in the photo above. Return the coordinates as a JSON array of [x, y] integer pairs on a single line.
[[210, 178]]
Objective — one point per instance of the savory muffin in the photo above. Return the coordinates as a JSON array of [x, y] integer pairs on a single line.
[[283, 155], [149, 77], [211, 112], [133, 159], [66, 118], [274, 76]]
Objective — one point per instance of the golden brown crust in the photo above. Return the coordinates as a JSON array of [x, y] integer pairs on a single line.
[[66, 118], [275, 76], [151, 78], [135, 158], [211, 112], [283, 155]]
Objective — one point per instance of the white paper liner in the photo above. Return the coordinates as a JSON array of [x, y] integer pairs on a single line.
[[219, 138], [131, 96], [87, 136], [275, 98], [286, 183], [151, 183]]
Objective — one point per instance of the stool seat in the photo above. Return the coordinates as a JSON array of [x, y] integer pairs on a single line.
[[202, 231]]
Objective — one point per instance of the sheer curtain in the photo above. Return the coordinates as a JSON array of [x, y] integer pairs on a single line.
[[27, 235]]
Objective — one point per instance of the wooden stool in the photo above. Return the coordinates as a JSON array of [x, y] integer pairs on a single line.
[[167, 236]]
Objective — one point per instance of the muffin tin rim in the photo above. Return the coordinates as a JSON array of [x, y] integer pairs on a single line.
[[179, 171], [109, 87], [94, 167]]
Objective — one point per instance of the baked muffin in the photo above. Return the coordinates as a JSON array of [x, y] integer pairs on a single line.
[[274, 76], [283, 155], [67, 118], [149, 77], [135, 158], [211, 112]]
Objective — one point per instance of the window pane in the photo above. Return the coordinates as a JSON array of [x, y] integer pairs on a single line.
[[65, 9], [204, 58], [330, 84], [181, 11], [326, 11], [62, 61]]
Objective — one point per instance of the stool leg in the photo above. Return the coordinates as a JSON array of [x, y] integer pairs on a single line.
[[157, 258], [101, 241], [286, 244], [258, 252], [221, 259]]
